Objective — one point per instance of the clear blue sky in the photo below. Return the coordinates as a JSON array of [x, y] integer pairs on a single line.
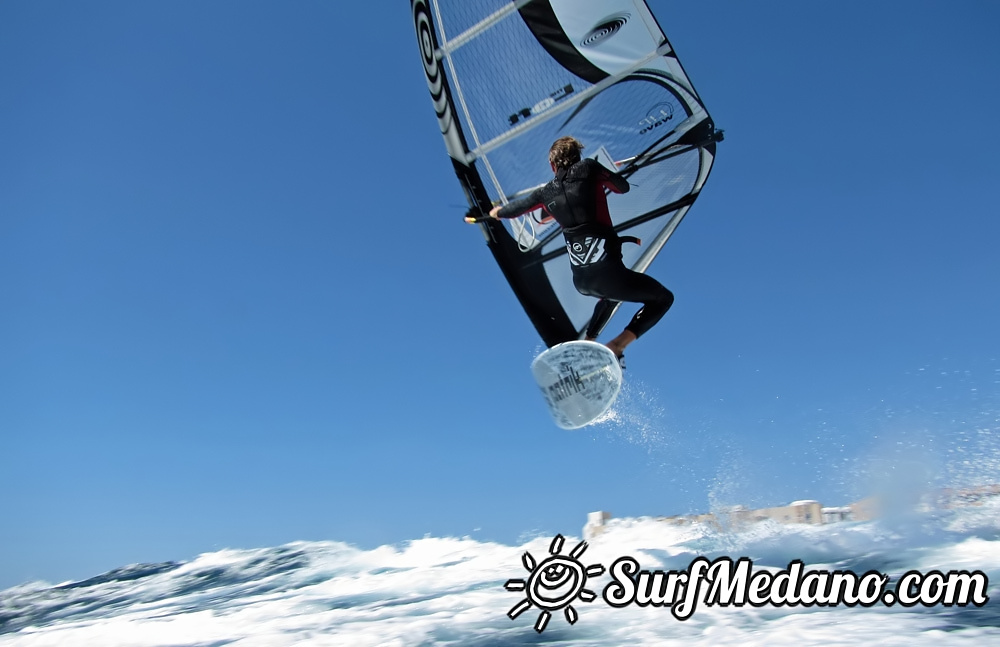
[[238, 305]]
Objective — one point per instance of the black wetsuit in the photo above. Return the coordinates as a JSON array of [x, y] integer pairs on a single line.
[[576, 199]]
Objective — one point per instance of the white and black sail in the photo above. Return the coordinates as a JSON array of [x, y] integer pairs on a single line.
[[509, 78]]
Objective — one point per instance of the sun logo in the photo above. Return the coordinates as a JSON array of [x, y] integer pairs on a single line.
[[554, 584]]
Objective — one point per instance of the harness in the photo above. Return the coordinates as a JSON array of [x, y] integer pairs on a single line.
[[588, 243], [587, 250]]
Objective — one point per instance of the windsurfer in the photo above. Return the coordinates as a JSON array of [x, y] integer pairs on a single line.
[[576, 198]]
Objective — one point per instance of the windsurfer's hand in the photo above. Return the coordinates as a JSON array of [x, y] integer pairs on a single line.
[[494, 211]]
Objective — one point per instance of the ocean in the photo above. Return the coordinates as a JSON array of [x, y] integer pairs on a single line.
[[451, 591]]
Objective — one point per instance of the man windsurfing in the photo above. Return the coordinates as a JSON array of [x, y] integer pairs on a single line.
[[576, 198]]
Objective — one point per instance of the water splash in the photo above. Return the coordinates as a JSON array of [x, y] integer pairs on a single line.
[[637, 417]]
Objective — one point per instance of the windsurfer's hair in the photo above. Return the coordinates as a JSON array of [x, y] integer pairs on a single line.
[[565, 152]]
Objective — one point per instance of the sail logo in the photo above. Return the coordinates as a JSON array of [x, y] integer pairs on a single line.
[[657, 116], [542, 105], [554, 584], [605, 29]]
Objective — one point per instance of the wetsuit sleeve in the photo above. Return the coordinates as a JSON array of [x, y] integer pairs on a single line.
[[528, 203], [611, 180]]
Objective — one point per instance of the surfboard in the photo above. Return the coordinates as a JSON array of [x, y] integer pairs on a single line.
[[579, 381]]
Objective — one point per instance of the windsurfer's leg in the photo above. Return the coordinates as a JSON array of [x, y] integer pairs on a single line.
[[602, 312], [616, 283], [655, 298]]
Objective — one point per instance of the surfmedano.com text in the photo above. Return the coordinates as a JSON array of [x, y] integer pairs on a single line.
[[725, 583]]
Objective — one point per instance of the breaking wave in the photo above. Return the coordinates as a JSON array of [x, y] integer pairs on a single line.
[[450, 591]]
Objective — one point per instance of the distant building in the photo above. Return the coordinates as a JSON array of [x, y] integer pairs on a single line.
[[836, 515], [808, 511]]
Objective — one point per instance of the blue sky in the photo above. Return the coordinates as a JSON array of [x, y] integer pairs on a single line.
[[240, 307]]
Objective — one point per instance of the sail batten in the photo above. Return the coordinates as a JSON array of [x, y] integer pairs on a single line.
[[449, 46]]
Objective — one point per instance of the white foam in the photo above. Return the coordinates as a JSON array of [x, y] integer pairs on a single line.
[[450, 591]]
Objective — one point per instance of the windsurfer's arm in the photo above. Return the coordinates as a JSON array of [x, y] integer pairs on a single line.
[[607, 178], [613, 181], [515, 208]]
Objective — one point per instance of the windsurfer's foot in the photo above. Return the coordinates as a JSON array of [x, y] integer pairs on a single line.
[[618, 344]]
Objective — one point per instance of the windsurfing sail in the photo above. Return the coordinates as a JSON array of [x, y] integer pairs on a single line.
[[509, 78]]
